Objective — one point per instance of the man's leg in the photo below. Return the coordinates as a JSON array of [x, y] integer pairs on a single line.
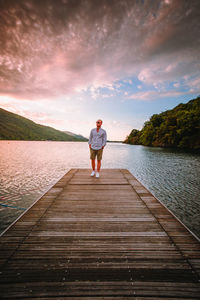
[[93, 164], [99, 158], [98, 165], [92, 157]]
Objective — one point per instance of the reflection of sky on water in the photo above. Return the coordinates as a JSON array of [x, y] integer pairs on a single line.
[[28, 169]]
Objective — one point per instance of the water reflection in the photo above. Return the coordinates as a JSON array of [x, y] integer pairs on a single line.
[[27, 169]]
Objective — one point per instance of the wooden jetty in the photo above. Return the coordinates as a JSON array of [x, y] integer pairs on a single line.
[[105, 238]]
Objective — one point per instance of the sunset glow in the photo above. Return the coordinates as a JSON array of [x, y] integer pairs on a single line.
[[67, 63]]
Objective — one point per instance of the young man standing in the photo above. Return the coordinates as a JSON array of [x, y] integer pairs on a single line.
[[97, 142]]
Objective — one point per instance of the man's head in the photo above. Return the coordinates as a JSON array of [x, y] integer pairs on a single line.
[[99, 123]]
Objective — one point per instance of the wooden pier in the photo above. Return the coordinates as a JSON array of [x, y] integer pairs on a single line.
[[99, 238]]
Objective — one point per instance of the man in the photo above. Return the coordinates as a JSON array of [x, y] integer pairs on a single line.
[[97, 142]]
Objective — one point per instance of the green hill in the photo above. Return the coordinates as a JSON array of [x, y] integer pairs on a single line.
[[178, 128], [15, 127], [78, 136]]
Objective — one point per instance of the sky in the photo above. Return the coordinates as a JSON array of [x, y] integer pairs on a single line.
[[67, 63]]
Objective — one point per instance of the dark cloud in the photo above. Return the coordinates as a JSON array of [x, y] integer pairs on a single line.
[[50, 48]]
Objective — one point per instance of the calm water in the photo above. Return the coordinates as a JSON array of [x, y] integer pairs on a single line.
[[28, 169]]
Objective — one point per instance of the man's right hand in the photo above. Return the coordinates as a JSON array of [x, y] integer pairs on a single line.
[[89, 145]]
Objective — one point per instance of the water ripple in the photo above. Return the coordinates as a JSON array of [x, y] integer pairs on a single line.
[[28, 169]]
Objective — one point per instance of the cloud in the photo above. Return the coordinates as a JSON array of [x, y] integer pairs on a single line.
[[46, 112], [193, 84], [52, 48], [155, 95]]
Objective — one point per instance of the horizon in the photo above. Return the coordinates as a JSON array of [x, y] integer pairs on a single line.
[[109, 140], [67, 64]]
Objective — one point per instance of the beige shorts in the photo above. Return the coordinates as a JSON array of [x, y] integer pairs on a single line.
[[94, 153]]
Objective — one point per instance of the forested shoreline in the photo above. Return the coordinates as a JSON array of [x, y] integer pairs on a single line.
[[175, 128]]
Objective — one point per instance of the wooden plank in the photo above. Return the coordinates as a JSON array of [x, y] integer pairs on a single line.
[[90, 238]]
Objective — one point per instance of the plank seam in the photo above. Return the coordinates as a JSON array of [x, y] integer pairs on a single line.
[[29, 232], [171, 239]]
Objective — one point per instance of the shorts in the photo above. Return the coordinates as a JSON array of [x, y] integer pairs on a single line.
[[94, 153]]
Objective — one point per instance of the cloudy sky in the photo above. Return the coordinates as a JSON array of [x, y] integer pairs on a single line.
[[66, 63]]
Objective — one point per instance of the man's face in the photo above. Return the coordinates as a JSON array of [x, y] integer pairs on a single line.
[[98, 123]]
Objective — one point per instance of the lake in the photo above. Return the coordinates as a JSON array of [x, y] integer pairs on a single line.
[[29, 168]]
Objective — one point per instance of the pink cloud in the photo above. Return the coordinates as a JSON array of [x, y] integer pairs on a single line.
[[155, 95], [50, 49]]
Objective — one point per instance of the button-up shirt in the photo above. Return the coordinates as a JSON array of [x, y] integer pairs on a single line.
[[97, 138]]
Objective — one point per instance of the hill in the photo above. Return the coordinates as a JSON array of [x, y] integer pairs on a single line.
[[15, 127], [78, 136], [178, 128]]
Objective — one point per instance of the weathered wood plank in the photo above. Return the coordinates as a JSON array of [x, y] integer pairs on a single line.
[[89, 238]]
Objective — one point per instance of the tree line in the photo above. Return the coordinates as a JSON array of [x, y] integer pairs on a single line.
[[176, 128]]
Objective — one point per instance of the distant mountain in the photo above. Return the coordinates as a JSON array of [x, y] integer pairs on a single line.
[[15, 127], [78, 136], [177, 128]]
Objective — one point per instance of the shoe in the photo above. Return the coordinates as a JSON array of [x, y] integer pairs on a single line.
[[97, 175], [93, 173]]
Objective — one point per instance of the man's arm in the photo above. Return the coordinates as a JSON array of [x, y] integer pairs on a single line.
[[90, 139], [104, 139]]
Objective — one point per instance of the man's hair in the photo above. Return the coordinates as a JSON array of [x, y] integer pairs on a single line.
[[100, 120]]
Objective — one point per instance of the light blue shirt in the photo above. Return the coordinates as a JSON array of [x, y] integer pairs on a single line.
[[97, 139]]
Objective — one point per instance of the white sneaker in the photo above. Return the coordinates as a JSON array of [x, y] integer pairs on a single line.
[[93, 173], [97, 175]]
